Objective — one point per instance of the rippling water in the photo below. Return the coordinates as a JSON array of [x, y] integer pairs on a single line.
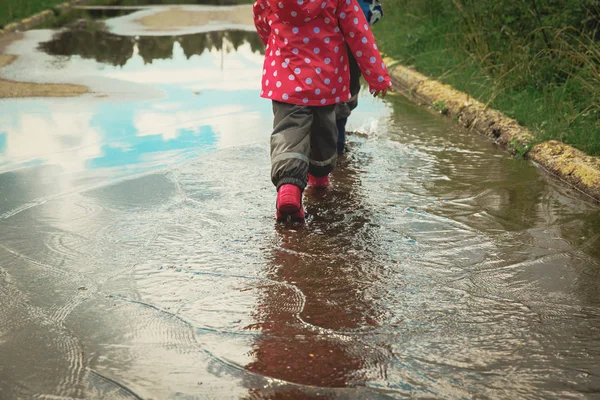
[[139, 256]]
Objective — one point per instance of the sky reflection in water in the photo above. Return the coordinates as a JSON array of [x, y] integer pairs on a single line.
[[209, 101]]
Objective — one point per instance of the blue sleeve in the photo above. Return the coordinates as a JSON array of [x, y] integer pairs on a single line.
[[365, 8], [372, 10]]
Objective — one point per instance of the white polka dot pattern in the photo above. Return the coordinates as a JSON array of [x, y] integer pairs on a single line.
[[307, 44]]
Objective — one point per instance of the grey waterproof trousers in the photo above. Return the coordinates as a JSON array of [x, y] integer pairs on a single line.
[[304, 140]]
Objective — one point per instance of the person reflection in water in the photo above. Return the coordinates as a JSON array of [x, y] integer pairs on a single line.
[[305, 74], [315, 316]]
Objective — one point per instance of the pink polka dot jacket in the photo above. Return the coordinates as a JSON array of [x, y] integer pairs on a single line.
[[306, 60]]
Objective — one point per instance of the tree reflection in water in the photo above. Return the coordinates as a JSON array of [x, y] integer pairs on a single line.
[[89, 39]]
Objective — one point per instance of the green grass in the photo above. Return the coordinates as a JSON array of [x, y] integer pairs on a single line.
[[15, 10], [549, 83], [174, 2]]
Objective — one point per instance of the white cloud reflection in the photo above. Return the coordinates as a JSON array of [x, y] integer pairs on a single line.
[[167, 124], [49, 137]]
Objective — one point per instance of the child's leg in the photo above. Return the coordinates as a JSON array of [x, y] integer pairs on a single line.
[[351, 104], [323, 141], [355, 75], [290, 144], [341, 141]]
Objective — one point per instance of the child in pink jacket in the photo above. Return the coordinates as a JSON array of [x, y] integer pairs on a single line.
[[305, 75]]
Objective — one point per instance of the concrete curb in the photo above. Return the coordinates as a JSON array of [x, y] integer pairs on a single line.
[[36, 19], [568, 164]]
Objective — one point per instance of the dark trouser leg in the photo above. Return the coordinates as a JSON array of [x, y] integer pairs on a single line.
[[351, 104], [290, 144], [323, 141], [341, 128], [355, 75]]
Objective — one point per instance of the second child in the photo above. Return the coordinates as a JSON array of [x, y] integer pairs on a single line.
[[373, 12]]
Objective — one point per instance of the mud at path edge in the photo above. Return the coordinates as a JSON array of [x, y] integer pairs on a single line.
[[178, 17], [14, 89]]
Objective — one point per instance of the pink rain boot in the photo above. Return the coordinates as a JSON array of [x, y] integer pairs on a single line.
[[318, 181], [289, 203]]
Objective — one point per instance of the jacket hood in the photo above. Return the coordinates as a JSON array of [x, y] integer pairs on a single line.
[[297, 12]]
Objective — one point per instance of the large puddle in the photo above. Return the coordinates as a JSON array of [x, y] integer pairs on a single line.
[[140, 258]]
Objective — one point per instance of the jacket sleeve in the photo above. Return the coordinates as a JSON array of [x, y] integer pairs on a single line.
[[372, 10], [359, 37], [261, 14]]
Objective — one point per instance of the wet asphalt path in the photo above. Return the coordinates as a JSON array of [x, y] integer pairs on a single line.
[[140, 258]]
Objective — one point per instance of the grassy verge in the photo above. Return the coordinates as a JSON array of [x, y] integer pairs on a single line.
[[175, 2], [539, 68], [14, 10]]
